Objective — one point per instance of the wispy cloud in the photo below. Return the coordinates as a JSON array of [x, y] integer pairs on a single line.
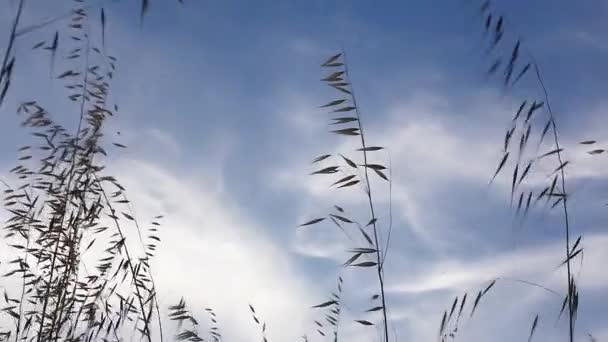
[[214, 257], [222, 123]]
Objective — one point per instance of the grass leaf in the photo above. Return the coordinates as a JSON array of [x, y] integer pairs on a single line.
[[534, 324], [312, 222], [502, 163], [331, 59], [349, 162], [364, 322], [323, 157], [370, 148], [326, 304], [333, 103]]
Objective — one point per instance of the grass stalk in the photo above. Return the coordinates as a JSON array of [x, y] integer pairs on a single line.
[[370, 201], [571, 312], [4, 73]]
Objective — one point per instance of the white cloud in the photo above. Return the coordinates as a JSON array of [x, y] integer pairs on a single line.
[[165, 139], [429, 151], [307, 47], [540, 263], [213, 256], [588, 38], [426, 151], [512, 304]]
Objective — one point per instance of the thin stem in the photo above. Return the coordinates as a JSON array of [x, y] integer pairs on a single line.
[[47, 22], [370, 201], [160, 324], [129, 261], [390, 208], [83, 101], [23, 265], [564, 201], [72, 263], [11, 42], [48, 286]]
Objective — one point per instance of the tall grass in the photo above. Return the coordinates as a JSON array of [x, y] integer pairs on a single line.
[[510, 65], [80, 279], [369, 252]]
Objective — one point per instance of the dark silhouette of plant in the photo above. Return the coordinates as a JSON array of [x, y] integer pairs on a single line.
[[369, 251], [81, 279], [261, 324], [332, 308], [512, 67], [8, 61]]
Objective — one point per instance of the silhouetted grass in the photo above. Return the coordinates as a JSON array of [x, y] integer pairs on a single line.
[[522, 160], [369, 251], [82, 279]]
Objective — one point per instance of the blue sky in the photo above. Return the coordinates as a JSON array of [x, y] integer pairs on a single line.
[[219, 107]]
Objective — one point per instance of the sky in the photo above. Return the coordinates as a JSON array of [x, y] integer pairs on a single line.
[[219, 107]]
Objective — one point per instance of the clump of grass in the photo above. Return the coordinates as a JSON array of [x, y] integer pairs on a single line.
[[80, 277], [182, 315], [188, 325]]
